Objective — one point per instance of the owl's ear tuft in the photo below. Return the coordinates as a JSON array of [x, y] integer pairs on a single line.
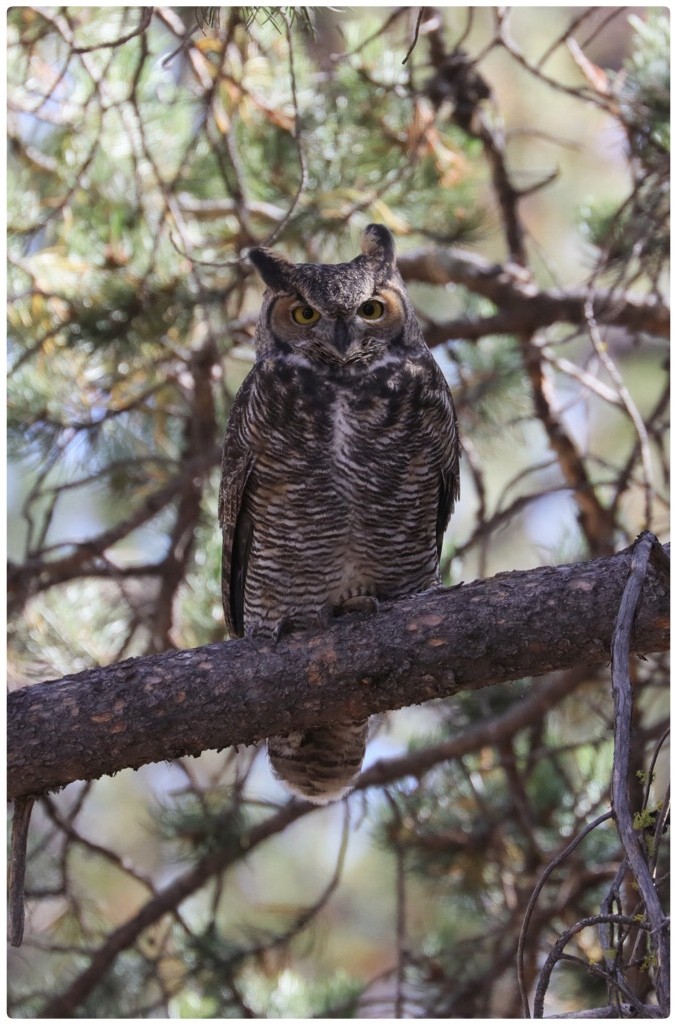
[[274, 269], [378, 244]]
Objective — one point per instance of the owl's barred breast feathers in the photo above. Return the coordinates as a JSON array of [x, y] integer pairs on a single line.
[[340, 470]]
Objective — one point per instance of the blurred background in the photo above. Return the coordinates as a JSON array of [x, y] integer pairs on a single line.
[[525, 154]]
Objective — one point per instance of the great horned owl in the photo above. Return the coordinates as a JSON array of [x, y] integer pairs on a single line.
[[340, 471]]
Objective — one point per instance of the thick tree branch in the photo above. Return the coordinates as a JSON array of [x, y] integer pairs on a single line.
[[429, 646], [522, 305]]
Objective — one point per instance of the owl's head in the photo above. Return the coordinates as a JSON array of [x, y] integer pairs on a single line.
[[345, 313]]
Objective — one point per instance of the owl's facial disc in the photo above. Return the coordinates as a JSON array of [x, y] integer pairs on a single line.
[[312, 327]]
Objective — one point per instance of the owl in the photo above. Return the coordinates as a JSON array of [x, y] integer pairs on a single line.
[[340, 472]]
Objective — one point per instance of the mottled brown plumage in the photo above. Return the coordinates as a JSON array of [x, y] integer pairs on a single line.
[[340, 470]]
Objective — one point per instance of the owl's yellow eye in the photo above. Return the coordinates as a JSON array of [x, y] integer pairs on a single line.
[[305, 315], [373, 309]]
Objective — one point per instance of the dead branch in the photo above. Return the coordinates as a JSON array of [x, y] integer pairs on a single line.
[[17, 870], [656, 921]]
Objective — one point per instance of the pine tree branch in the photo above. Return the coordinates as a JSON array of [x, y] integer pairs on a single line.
[[43, 570], [522, 305], [514, 625]]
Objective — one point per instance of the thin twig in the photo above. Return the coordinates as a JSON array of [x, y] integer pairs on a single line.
[[557, 954], [628, 404], [415, 39], [298, 138], [562, 856], [401, 910]]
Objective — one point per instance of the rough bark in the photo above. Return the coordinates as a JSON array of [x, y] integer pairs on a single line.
[[514, 625]]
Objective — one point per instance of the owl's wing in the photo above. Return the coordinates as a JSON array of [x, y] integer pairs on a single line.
[[236, 525], [450, 454]]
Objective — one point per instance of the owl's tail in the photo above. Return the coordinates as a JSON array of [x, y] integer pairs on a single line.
[[320, 764]]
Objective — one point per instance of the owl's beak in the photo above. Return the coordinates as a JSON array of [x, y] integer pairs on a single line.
[[341, 335]]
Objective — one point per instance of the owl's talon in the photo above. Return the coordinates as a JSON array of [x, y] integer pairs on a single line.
[[365, 603], [318, 620], [261, 634], [441, 588], [324, 617], [257, 635], [284, 626]]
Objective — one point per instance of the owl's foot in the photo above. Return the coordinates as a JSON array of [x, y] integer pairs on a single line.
[[439, 588], [285, 626], [325, 616], [262, 633], [259, 634], [290, 624], [366, 603], [322, 618]]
